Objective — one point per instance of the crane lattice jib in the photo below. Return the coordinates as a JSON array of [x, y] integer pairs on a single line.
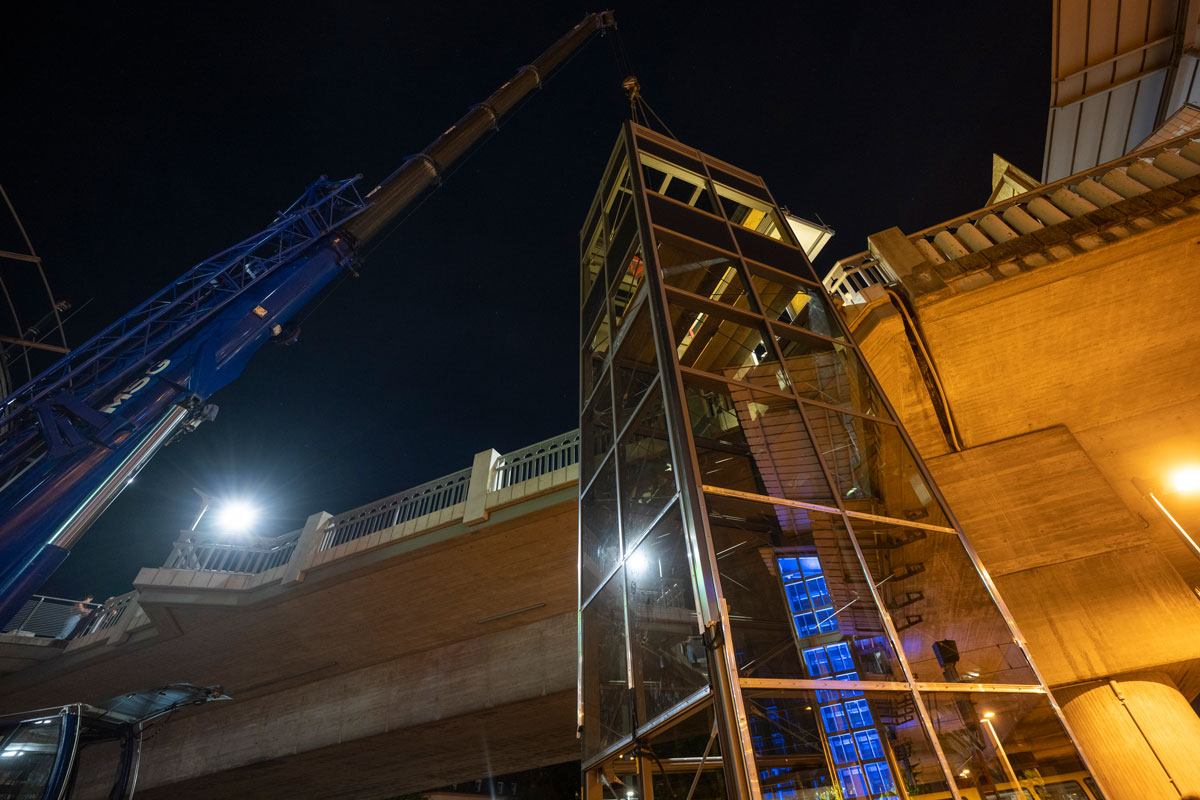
[[132, 343]]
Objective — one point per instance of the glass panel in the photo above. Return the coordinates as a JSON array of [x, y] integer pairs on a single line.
[[775, 253], [725, 346], [949, 627], [738, 183], [619, 246], [701, 270], [647, 479], [27, 754], [596, 432], [806, 747], [687, 752], [620, 200], [593, 260], [874, 471], [827, 371], [688, 221], [625, 291], [753, 442], [606, 693], [1022, 728], [682, 185], [592, 360], [635, 366], [599, 536], [668, 657], [799, 603], [791, 300]]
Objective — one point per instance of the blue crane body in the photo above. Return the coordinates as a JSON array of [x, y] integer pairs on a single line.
[[73, 438]]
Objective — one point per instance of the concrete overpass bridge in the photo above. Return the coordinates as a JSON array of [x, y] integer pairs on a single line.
[[423, 639]]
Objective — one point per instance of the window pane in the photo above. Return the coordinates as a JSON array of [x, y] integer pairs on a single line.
[[791, 300], [635, 367], [773, 253], [934, 595], [731, 347], [697, 269], [1024, 726], [669, 659], [593, 260], [874, 471], [596, 432], [647, 478], [688, 221], [804, 749], [599, 536], [828, 372], [756, 545], [691, 738], [625, 290], [607, 700]]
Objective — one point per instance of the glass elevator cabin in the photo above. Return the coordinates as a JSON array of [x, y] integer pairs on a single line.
[[774, 601]]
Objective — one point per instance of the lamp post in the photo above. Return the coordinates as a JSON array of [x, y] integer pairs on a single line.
[[1185, 480], [1003, 756]]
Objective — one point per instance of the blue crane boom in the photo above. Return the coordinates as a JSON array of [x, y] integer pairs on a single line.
[[72, 438]]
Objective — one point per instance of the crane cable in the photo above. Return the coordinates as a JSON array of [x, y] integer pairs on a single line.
[[633, 87]]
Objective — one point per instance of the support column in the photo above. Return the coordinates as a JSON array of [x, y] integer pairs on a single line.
[[482, 469], [306, 547], [1139, 734]]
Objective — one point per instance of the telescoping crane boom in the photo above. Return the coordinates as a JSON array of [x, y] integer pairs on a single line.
[[73, 438]]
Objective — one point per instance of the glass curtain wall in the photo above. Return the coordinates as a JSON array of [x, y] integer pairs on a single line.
[[774, 601]]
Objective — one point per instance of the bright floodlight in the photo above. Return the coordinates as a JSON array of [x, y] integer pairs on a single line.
[[638, 563], [237, 516], [1186, 479]]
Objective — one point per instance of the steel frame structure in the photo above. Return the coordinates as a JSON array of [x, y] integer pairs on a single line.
[[731, 434]]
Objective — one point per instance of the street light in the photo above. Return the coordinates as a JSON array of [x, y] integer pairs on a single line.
[[1003, 756], [1186, 479]]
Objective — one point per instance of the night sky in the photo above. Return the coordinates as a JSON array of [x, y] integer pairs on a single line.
[[137, 144]]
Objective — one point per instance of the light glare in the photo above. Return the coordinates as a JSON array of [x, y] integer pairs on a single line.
[[237, 516], [1186, 479]]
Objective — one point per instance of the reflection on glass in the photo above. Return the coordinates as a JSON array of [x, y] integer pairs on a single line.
[[596, 432], [635, 366], [599, 536], [620, 243], [647, 477], [731, 347], [949, 627], [700, 270], [827, 371], [806, 745], [668, 657], [619, 200], [689, 754], [874, 471], [788, 299], [606, 696], [753, 442], [1022, 729], [799, 603]]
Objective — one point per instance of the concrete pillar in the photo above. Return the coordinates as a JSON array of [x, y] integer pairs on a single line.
[[1045, 211], [952, 247], [482, 469], [995, 228], [1096, 193], [306, 547], [1138, 733], [1021, 221], [1177, 165], [1122, 184], [1147, 173], [969, 235], [1072, 203], [893, 249]]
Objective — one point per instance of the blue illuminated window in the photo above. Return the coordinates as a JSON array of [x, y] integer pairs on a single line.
[[828, 622], [818, 591], [852, 782], [788, 567], [806, 624], [879, 777], [811, 566], [825, 696], [839, 657], [834, 718], [858, 713], [849, 676], [843, 748], [869, 745], [797, 599], [818, 664]]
